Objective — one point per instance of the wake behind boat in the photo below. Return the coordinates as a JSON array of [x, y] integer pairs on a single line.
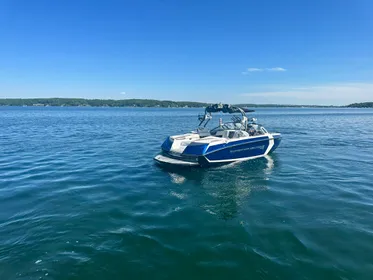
[[238, 140]]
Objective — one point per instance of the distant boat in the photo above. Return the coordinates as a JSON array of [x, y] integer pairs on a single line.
[[239, 140]]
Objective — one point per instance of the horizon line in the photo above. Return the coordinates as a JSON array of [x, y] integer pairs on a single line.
[[183, 101]]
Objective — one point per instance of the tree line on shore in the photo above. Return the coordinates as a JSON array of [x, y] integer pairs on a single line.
[[361, 105], [97, 102]]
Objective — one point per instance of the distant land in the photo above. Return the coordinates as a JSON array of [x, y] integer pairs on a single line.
[[97, 102], [361, 105], [81, 102]]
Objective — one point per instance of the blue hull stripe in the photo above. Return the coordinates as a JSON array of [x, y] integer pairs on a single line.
[[195, 150], [235, 143], [167, 144], [247, 150]]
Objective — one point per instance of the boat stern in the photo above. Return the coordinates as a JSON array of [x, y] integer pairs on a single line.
[[182, 150]]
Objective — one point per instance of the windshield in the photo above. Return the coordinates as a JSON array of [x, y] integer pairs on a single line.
[[226, 126]]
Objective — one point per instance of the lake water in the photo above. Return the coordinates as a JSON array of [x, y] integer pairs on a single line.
[[81, 198]]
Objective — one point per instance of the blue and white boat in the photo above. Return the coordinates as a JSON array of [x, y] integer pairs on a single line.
[[239, 140]]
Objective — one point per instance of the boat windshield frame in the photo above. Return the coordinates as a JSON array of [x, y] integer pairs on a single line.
[[224, 108]]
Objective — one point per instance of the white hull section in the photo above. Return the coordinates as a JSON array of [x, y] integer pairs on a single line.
[[167, 160]]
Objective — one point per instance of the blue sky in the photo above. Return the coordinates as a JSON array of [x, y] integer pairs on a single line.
[[298, 52]]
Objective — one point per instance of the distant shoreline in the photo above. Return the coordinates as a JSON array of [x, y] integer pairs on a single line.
[[145, 103]]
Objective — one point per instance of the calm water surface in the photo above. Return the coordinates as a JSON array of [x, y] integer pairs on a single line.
[[81, 198]]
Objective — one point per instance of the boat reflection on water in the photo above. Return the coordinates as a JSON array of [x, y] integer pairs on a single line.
[[222, 190]]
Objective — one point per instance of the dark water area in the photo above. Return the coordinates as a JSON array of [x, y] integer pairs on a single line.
[[81, 198]]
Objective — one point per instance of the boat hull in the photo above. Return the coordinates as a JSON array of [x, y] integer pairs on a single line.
[[202, 153]]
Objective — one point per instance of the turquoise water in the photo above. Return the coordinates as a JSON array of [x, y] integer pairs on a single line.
[[81, 198]]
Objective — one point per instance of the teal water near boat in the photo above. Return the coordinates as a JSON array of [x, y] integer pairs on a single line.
[[81, 198]]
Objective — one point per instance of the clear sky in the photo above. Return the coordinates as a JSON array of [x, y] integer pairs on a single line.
[[268, 51]]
